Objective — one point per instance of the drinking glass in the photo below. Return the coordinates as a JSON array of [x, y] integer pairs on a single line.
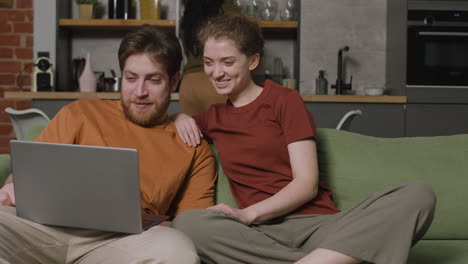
[[252, 7], [268, 10], [289, 12]]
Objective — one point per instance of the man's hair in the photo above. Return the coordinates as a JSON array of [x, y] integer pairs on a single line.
[[242, 30], [161, 45]]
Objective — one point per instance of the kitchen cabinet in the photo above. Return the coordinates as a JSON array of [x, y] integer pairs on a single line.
[[379, 120], [436, 119], [382, 115], [65, 38]]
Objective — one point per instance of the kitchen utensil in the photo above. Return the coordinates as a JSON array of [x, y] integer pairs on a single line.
[[112, 84], [290, 83], [374, 91]]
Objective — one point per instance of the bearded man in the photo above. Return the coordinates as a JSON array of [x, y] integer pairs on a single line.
[[173, 176]]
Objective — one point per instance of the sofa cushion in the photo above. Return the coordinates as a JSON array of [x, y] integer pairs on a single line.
[[5, 167], [223, 191], [355, 166], [439, 251], [33, 132]]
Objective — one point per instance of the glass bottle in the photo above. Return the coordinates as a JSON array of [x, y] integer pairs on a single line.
[[321, 83]]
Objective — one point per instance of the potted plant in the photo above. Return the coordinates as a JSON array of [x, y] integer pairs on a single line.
[[85, 8]]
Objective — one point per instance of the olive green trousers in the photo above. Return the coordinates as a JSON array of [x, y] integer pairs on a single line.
[[380, 229]]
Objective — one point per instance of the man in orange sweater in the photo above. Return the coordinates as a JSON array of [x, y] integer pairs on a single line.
[[173, 176]]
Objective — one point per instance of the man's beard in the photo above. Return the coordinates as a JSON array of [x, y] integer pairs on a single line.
[[157, 115]]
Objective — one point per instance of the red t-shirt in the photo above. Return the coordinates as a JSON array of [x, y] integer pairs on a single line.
[[252, 144]]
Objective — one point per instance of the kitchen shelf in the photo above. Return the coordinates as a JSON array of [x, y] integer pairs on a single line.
[[80, 24], [175, 97], [67, 95], [386, 99]]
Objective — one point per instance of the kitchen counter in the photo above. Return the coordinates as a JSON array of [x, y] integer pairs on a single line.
[[67, 95], [354, 99], [175, 97]]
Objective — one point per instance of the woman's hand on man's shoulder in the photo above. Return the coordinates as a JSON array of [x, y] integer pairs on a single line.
[[187, 129]]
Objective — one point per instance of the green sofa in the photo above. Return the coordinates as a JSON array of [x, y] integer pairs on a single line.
[[5, 167], [5, 164], [355, 166]]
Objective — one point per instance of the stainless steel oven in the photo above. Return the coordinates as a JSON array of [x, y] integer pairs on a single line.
[[437, 49]]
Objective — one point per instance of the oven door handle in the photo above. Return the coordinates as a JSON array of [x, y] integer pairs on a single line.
[[450, 34]]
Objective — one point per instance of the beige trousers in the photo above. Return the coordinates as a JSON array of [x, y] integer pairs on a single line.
[[22, 241]]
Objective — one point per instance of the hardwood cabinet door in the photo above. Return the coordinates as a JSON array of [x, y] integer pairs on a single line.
[[436, 119], [380, 120]]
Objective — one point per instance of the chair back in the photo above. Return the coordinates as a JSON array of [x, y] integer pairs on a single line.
[[24, 121]]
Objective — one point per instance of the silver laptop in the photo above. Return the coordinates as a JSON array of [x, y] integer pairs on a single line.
[[78, 186]]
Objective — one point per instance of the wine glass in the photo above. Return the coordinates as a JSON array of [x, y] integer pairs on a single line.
[[239, 5], [289, 12], [268, 10], [252, 7]]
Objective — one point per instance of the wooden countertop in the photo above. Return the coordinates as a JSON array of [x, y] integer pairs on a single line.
[[175, 97], [67, 95], [385, 99]]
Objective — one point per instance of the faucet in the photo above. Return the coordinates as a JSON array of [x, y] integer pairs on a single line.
[[340, 84]]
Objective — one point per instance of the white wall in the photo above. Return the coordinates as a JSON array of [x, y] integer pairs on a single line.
[[45, 26]]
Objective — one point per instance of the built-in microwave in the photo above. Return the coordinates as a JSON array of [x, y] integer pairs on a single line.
[[437, 48]]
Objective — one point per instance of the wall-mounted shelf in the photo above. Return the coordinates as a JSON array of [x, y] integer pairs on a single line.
[[79, 24], [175, 97], [68, 95], [385, 99]]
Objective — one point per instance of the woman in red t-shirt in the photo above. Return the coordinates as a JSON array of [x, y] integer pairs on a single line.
[[266, 142]]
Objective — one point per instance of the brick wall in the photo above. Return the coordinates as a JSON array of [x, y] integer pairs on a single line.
[[16, 59]]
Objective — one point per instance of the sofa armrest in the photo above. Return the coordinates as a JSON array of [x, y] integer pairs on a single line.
[[5, 167]]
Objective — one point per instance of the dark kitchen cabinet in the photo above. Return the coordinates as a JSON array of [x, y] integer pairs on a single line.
[[379, 120], [436, 119]]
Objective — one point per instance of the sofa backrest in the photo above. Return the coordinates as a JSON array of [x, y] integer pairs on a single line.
[[355, 166], [223, 191]]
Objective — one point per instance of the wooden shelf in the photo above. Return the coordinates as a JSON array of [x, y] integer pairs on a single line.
[[386, 99], [279, 24], [164, 23], [68, 95], [114, 23], [175, 97]]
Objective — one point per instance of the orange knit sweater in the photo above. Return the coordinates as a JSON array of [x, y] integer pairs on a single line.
[[173, 176]]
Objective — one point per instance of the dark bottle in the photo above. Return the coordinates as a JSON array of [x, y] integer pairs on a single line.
[[321, 83], [121, 9]]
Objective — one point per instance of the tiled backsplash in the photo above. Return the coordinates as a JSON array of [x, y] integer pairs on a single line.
[[327, 25]]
